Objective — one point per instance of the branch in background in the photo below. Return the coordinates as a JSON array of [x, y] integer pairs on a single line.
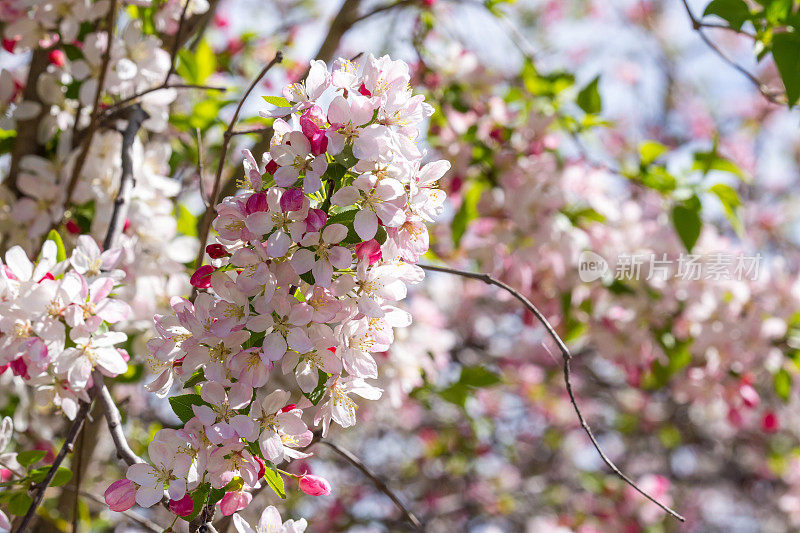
[[27, 130], [109, 111], [208, 216], [127, 182], [342, 22], [111, 20], [567, 357], [776, 97], [355, 461], [142, 521], [69, 442]]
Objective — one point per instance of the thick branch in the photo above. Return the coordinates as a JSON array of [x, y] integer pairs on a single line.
[[355, 461], [567, 357]]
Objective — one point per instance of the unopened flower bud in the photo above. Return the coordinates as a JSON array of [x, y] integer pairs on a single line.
[[121, 495], [216, 251], [182, 507], [202, 277], [292, 200], [315, 485], [316, 220]]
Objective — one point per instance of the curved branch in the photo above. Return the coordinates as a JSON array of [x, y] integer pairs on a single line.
[[114, 421], [567, 357], [355, 461]]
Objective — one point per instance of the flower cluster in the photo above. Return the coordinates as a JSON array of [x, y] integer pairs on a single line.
[[54, 318], [312, 257]]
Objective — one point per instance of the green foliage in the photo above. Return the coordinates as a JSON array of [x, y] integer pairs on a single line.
[[29, 457], [734, 12], [61, 253], [196, 67], [471, 378], [730, 202], [649, 151], [198, 377], [61, 477], [589, 97], [182, 405], [187, 222], [783, 384], [279, 101], [467, 212], [7, 138], [687, 221], [549, 85], [316, 395], [19, 504], [274, 479], [786, 52]]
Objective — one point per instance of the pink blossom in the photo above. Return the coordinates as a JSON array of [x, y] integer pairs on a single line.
[[234, 501], [121, 495], [315, 485], [182, 507]]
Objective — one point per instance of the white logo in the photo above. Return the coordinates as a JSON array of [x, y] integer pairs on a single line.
[[591, 266]]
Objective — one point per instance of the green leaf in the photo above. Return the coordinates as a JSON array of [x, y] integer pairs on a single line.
[[19, 504], [198, 377], [316, 395], [274, 479], [478, 376], [467, 212], [279, 101], [730, 202], [707, 161], [734, 12], [786, 52], [28, 457], [206, 61], [589, 97], [182, 405], [346, 157], [63, 475], [687, 222], [61, 253], [649, 151], [783, 384], [187, 222]]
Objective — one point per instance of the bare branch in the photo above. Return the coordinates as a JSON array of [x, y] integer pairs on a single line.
[[127, 181], [355, 461], [121, 103], [114, 421], [567, 357], [776, 97], [111, 20], [69, 442], [226, 139]]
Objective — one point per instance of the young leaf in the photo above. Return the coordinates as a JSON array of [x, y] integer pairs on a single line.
[[279, 101], [182, 405], [29, 457], [783, 384], [786, 52], [274, 480], [61, 254], [589, 97], [687, 222], [19, 504], [467, 212], [316, 395], [730, 202], [63, 475], [734, 12], [649, 151]]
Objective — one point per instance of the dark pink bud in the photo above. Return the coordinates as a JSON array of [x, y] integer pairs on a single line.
[[315, 135], [316, 220], [221, 21], [257, 202], [770, 423], [20, 368], [121, 495], [57, 58], [73, 227], [364, 91], [429, 3], [288, 408], [749, 395], [202, 277], [292, 200], [9, 45], [126, 225], [272, 166], [262, 468], [182, 507], [315, 485], [369, 251], [5, 475], [216, 251]]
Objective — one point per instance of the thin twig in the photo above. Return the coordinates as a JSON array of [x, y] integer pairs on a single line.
[[201, 168], [122, 103], [111, 20], [78, 473], [176, 44], [355, 461], [567, 357], [69, 441], [776, 97], [142, 521], [226, 140]]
